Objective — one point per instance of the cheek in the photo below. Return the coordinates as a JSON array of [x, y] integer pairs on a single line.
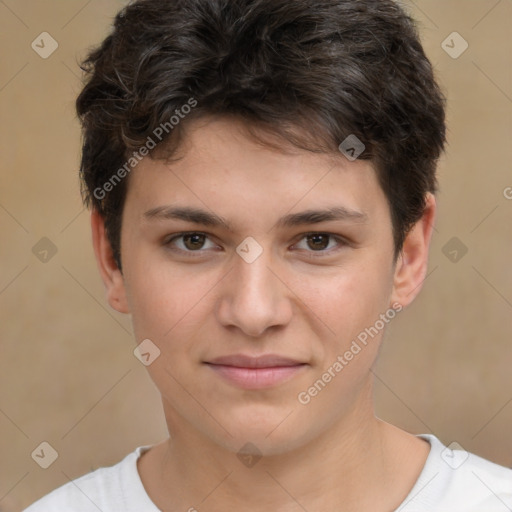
[[166, 300], [351, 305], [349, 300]]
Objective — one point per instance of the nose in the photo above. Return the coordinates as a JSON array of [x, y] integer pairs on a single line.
[[254, 297]]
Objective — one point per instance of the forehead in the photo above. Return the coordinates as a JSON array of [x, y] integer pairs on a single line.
[[219, 163]]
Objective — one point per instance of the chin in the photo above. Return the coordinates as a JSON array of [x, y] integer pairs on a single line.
[[263, 433]]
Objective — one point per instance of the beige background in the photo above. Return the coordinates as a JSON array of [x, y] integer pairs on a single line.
[[67, 371]]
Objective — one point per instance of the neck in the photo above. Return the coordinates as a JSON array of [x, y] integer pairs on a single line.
[[359, 463]]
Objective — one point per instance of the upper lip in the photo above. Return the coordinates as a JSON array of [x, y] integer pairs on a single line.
[[264, 361]]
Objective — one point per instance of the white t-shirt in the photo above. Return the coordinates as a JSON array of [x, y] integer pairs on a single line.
[[451, 481]]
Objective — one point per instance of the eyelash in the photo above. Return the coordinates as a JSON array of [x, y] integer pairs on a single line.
[[312, 254]]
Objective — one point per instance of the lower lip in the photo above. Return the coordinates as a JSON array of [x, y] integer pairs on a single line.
[[256, 378]]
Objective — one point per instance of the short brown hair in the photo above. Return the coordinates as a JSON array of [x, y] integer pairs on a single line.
[[331, 68]]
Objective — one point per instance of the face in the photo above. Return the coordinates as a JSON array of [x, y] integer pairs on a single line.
[[257, 305]]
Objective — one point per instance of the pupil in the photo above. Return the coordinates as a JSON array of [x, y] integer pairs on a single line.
[[195, 239], [317, 243]]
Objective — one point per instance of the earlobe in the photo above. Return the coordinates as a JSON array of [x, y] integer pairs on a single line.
[[411, 266], [110, 274]]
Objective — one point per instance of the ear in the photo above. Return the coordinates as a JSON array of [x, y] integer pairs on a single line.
[[412, 263], [109, 271]]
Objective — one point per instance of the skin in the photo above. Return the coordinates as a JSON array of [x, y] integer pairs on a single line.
[[332, 454]]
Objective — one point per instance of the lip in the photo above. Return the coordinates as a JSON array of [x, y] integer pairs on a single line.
[[260, 372]]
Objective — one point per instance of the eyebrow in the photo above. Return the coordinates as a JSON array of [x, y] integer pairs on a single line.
[[199, 216]]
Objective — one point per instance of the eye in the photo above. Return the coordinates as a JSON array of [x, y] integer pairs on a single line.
[[196, 242], [321, 243], [192, 241]]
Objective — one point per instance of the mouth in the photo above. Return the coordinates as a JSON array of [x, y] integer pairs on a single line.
[[256, 372]]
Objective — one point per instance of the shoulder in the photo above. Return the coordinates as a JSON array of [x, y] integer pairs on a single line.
[[486, 485], [458, 481], [102, 489]]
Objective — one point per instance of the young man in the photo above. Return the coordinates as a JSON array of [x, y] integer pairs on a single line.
[[262, 178]]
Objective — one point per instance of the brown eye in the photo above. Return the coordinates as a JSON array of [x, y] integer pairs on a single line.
[[193, 241], [189, 242], [318, 241], [317, 245]]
